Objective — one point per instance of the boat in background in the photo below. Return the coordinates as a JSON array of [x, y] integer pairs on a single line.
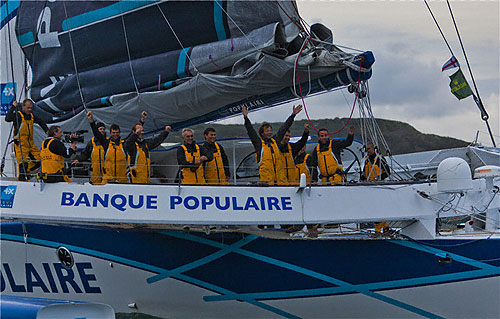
[[185, 251]]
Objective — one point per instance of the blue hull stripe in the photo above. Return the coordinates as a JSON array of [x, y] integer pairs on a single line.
[[311, 273], [431, 250], [484, 270], [140, 265], [205, 260]]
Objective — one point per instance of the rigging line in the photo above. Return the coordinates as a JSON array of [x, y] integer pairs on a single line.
[[291, 19], [463, 49], [302, 96], [439, 28], [237, 26], [74, 59], [177, 38], [128, 53], [2, 165], [485, 117], [10, 53]]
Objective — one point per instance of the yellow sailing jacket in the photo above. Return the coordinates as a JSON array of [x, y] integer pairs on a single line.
[[188, 176], [328, 166], [115, 164], [140, 169], [214, 170]]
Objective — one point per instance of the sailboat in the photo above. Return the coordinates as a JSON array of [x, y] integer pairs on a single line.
[[184, 251]]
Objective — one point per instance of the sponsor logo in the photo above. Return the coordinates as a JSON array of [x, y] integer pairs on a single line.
[[222, 203], [7, 197], [118, 201], [231, 203], [7, 90], [49, 278]]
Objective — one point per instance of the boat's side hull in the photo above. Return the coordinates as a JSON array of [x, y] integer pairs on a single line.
[[183, 275]]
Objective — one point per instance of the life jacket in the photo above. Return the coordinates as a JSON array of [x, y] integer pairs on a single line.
[[372, 171], [214, 170], [287, 172], [23, 140], [52, 164], [328, 166], [188, 176], [97, 162], [269, 159], [303, 169], [140, 169], [115, 164]]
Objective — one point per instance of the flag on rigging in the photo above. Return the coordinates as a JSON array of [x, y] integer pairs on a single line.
[[459, 86], [450, 64]]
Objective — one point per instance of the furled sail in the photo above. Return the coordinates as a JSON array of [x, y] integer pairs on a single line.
[[185, 62]]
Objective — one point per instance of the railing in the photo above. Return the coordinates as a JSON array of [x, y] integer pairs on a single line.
[[171, 174]]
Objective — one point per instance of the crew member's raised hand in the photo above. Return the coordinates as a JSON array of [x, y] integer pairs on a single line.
[[244, 110], [15, 103], [90, 116], [296, 109], [306, 127], [168, 128], [351, 130], [144, 115]]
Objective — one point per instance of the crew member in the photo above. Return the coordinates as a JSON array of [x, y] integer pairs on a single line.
[[288, 151], [113, 162], [191, 157], [138, 149], [326, 156], [216, 170], [27, 153], [53, 154], [376, 167], [266, 148], [302, 164], [95, 151]]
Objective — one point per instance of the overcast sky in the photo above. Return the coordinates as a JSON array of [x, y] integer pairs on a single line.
[[407, 82]]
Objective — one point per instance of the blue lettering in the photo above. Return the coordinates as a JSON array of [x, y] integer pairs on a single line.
[[286, 203], [205, 201], [151, 202], [67, 199], [235, 204], [10, 278], [131, 201], [52, 282], [30, 273], [227, 203], [2, 282], [119, 202], [87, 277], [195, 200], [175, 200], [263, 203], [251, 203], [273, 202], [64, 279], [103, 201], [83, 199]]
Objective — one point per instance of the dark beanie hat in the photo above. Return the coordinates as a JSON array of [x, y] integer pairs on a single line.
[[100, 124]]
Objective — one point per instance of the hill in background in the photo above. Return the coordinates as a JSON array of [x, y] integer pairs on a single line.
[[401, 137]]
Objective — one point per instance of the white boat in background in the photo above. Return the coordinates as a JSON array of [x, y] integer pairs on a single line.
[[184, 251]]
